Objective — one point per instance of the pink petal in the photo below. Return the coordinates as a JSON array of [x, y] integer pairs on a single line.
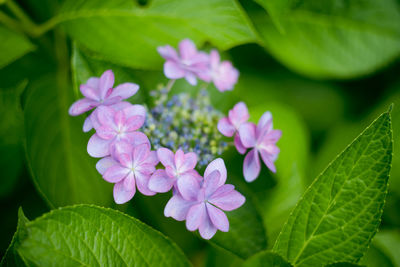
[[187, 49], [129, 181], [121, 147], [134, 123], [106, 132], [160, 182], [87, 125], [81, 106], [93, 82], [188, 186], [142, 183], [172, 70], [189, 163], [238, 144], [239, 114], [251, 166], [105, 163], [268, 159], [247, 133], [125, 159], [115, 174], [273, 136], [106, 83], [146, 169], [140, 152], [125, 90], [264, 123], [167, 52], [122, 105], [137, 138], [98, 147], [219, 165], [226, 77], [134, 110], [119, 118], [89, 92], [211, 183], [214, 59], [122, 194], [166, 156], [177, 208], [225, 127], [179, 158], [226, 198], [105, 116], [218, 218], [207, 230], [191, 78], [170, 171], [152, 158], [196, 216]]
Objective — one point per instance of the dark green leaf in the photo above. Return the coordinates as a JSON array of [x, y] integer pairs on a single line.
[[95, 236], [126, 33], [12, 46], [266, 259], [340, 212], [331, 39]]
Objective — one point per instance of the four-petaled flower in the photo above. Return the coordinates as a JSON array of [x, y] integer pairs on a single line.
[[230, 125], [100, 92], [130, 167], [223, 74], [189, 64], [115, 125], [262, 138], [202, 204], [177, 167]]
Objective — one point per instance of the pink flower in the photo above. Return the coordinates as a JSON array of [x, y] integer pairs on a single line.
[[189, 64], [115, 125], [131, 167], [262, 138], [99, 92], [202, 204], [230, 125], [177, 167], [223, 74]]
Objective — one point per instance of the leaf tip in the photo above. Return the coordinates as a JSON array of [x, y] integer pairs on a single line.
[[390, 108]]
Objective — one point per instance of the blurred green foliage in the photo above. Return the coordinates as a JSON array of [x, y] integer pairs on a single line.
[[325, 69]]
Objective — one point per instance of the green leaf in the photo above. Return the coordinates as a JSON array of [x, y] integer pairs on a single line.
[[56, 148], [266, 258], [340, 212], [384, 250], [343, 264], [93, 236], [12, 46], [128, 34], [331, 39], [11, 136]]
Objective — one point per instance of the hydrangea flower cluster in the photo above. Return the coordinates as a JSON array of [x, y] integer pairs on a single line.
[[160, 149]]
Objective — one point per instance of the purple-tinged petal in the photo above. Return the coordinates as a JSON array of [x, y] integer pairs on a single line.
[[122, 105], [168, 52], [170, 171], [219, 165], [172, 70], [187, 49], [225, 127], [89, 92], [166, 156], [115, 174], [272, 137], [106, 132], [93, 82], [138, 138], [134, 110], [121, 147], [105, 163], [195, 174], [106, 83], [151, 159], [268, 159], [238, 144], [142, 183], [105, 116], [179, 158], [134, 123], [211, 183], [251, 166], [239, 114], [140, 152], [207, 230], [119, 118], [189, 162], [196, 216], [214, 59], [226, 76], [160, 182], [81, 106], [87, 125], [188, 186], [129, 181], [98, 147], [146, 169], [247, 133], [264, 123], [122, 194], [125, 159], [177, 208], [218, 218], [226, 198], [191, 78], [125, 90]]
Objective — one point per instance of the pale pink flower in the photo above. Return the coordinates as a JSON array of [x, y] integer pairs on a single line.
[[223, 74]]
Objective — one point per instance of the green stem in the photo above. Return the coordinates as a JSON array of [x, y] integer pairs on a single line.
[[10, 22], [20, 14], [169, 85]]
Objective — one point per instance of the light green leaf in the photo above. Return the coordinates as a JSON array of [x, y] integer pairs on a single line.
[[331, 39], [11, 136], [128, 34], [12, 46], [384, 250], [95, 236], [56, 148], [266, 259], [340, 212]]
